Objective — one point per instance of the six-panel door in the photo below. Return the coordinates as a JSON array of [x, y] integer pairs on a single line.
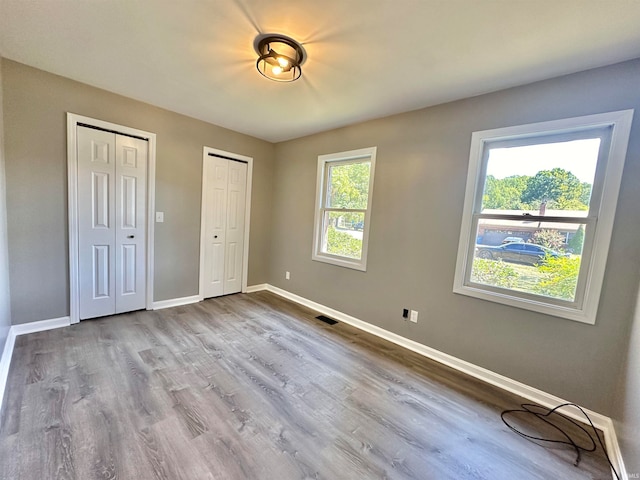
[[112, 173], [234, 241], [225, 184]]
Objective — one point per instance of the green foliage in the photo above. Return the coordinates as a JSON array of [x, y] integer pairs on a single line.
[[348, 188], [560, 277], [506, 193], [343, 244], [557, 188], [494, 273], [585, 196], [554, 277], [576, 242], [349, 185], [548, 238]]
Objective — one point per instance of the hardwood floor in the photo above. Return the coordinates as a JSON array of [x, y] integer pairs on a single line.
[[254, 387]]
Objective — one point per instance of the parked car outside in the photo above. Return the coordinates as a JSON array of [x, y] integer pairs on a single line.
[[512, 239], [517, 252]]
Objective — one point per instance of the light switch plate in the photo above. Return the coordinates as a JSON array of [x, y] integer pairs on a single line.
[[159, 217]]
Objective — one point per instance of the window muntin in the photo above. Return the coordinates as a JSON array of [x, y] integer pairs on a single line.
[[553, 184], [344, 190]]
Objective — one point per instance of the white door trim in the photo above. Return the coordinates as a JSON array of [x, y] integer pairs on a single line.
[[247, 215], [72, 182]]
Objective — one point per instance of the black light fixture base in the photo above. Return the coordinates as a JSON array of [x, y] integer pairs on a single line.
[[280, 57]]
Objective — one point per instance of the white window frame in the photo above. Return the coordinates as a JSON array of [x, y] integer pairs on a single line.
[[324, 161], [599, 222]]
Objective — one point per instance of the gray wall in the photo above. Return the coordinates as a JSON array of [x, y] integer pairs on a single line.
[[35, 106], [420, 179], [627, 415], [5, 307], [417, 208]]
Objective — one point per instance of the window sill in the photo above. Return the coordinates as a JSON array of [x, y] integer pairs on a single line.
[[341, 262], [575, 314]]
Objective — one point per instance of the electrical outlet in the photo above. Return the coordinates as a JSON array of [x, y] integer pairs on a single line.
[[405, 313], [414, 316], [287, 276]]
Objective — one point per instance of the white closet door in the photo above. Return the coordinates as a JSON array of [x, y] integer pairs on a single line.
[[111, 222], [130, 233], [96, 219], [216, 171], [225, 185], [234, 235]]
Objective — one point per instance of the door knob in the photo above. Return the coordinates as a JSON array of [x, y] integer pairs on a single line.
[[131, 236], [215, 236]]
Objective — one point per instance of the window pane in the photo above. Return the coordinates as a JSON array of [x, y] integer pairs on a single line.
[[541, 260], [552, 179], [343, 234], [348, 185]]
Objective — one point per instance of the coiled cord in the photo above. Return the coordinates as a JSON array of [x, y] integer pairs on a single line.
[[545, 414]]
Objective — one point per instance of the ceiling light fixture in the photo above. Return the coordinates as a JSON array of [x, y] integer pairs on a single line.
[[280, 57]]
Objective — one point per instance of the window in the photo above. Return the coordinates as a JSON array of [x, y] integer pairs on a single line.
[[343, 207], [538, 213]]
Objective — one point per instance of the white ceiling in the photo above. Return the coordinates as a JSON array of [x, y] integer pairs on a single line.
[[366, 58]]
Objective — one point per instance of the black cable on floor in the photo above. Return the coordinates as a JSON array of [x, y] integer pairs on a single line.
[[545, 414]]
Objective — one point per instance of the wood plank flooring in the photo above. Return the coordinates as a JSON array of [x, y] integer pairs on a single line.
[[254, 387]]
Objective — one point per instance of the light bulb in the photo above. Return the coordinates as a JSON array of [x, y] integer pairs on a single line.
[[276, 70], [283, 62]]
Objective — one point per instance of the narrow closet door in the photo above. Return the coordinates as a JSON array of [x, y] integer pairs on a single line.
[[96, 222], [234, 235], [130, 232], [215, 174]]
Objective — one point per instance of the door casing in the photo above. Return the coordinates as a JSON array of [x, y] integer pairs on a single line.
[[247, 215], [72, 181]]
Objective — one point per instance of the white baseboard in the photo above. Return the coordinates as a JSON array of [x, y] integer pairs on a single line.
[[5, 363], [257, 288], [540, 397], [40, 326], [22, 329], [176, 302], [613, 449]]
